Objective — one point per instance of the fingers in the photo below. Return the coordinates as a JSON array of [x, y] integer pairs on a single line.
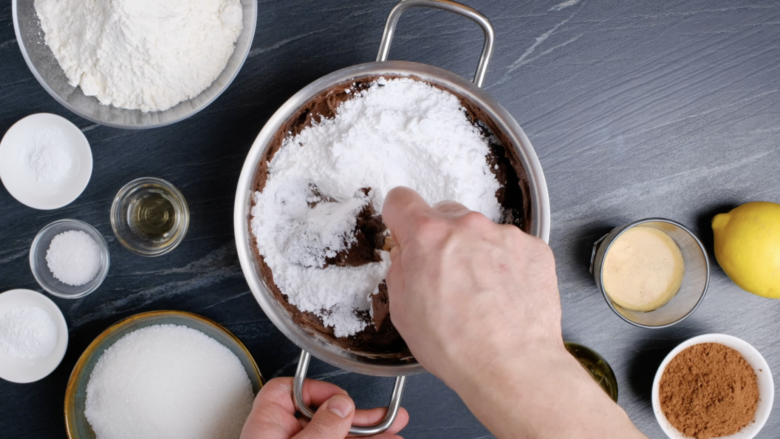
[[451, 208], [273, 413], [402, 207], [277, 392], [374, 416], [395, 277], [331, 420], [315, 393], [321, 391], [370, 417]]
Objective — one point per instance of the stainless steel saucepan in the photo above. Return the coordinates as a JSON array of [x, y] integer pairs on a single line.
[[514, 140]]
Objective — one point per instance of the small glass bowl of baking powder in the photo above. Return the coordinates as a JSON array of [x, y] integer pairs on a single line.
[[69, 258]]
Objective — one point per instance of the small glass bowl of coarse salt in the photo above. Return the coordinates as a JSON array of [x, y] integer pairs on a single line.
[[69, 258]]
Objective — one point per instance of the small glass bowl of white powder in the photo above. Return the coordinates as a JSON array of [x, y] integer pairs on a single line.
[[69, 258]]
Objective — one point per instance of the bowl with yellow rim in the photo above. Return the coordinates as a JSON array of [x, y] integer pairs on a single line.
[[76, 423]]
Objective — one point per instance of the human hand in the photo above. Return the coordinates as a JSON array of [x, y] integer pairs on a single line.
[[273, 413], [466, 293], [477, 303]]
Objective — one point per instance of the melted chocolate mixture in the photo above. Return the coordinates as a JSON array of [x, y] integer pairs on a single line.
[[380, 339]]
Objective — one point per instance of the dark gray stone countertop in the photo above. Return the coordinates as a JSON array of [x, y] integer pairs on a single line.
[[635, 108]]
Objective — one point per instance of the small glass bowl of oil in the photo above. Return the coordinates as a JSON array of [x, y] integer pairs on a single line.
[[597, 367], [150, 216]]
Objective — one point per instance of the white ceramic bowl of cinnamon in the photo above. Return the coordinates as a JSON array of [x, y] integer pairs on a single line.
[[764, 381]]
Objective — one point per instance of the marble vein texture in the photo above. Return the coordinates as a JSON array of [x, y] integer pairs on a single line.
[[636, 109]]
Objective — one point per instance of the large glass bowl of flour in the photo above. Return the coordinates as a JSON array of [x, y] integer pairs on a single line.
[[47, 70]]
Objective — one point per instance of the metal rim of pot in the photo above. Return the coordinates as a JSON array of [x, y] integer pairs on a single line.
[[539, 198]]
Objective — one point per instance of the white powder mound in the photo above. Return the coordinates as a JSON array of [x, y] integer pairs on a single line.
[[27, 332], [168, 382], [320, 232], [399, 132], [141, 54], [74, 258], [48, 157]]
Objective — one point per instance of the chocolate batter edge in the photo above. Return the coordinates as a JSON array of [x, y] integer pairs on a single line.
[[384, 342]]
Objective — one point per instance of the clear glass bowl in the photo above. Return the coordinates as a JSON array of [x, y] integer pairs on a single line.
[[123, 225], [695, 280], [597, 367], [48, 72], [43, 274]]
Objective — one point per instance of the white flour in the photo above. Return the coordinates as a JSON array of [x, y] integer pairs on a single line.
[[399, 132], [141, 54]]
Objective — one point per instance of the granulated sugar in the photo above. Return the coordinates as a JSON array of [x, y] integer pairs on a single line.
[[399, 132], [27, 332], [73, 258], [168, 382], [48, 157]]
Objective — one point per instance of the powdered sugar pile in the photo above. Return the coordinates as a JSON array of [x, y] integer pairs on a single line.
[[320, 232], [141, 54], [399, 132]]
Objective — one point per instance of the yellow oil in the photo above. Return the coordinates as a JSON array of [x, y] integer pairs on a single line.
[[152, 215], [597, 367]]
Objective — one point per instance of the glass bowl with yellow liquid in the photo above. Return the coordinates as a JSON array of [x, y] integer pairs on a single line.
[[596, 366], [150, 217], [653, 273]]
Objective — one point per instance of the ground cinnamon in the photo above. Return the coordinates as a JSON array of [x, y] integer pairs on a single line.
[[709, 390]]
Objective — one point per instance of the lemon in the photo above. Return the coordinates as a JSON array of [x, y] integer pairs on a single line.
[[747, 247]]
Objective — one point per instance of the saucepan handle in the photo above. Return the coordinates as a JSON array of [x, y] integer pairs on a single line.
[[470, 13], [392, 409]]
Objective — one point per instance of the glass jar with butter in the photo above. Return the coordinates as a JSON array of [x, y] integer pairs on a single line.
[[653, 273]]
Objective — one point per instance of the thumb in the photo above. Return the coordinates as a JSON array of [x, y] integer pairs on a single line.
[[331, 421]]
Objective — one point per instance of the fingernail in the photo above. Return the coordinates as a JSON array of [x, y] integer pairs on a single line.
[[340, 406]]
